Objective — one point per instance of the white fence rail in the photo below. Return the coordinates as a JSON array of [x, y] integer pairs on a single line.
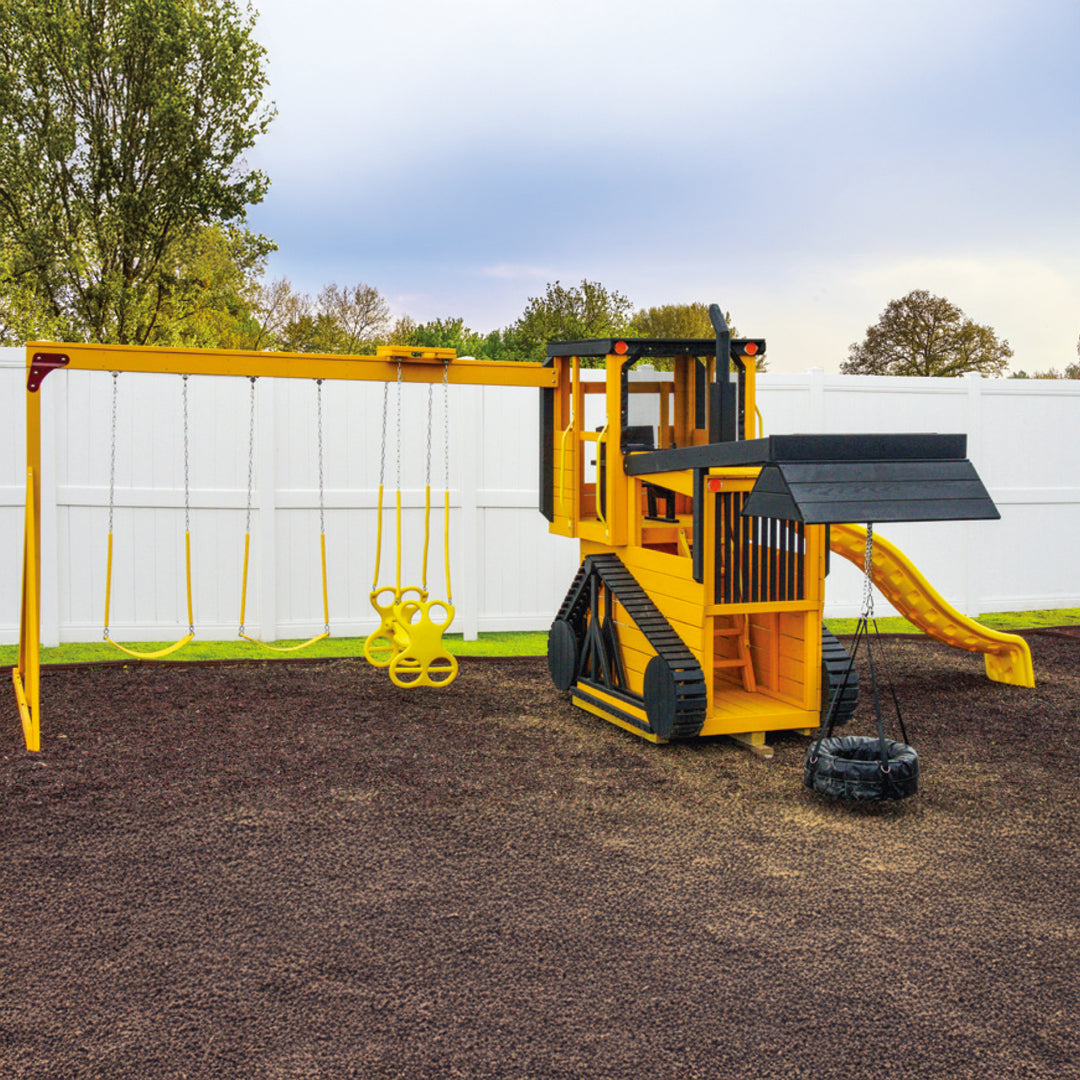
[[507, 571]]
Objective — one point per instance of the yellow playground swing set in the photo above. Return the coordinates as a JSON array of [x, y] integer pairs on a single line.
[[408, 641], [697, 606]]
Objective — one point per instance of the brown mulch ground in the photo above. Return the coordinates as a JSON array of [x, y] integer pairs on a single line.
[[299, 871]]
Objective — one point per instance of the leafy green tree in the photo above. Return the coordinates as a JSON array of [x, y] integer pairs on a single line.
[[207, 291], [123, 125], [23, 316], [276, 305], [921, 334], [578, 313], [352, 319], [682, 321], [359, 315], [452, 333], [677, 321], [1072, 371]]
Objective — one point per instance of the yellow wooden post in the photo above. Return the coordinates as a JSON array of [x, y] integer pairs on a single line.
[[616, 510]]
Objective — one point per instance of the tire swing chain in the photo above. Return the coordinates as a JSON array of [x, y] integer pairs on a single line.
[[862, 632]]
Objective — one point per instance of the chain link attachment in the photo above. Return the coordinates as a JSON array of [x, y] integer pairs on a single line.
[[868, 576]]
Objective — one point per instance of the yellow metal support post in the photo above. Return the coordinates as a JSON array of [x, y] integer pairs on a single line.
[[26, 676]]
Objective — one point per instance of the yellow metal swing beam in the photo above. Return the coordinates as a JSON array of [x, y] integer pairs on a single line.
[[418, 366]]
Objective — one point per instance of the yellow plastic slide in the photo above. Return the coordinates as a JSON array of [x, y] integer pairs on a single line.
[[1008, 658]]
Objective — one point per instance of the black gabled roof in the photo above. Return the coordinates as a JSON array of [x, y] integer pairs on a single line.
[[831, 492], [830, 479]]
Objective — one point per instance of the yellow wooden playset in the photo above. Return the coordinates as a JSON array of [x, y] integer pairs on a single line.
[[697, 607]]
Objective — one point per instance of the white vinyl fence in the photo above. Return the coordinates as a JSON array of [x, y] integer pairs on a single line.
[[507, 571]]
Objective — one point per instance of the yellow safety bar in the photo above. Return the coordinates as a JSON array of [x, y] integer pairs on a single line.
[[601, 438]]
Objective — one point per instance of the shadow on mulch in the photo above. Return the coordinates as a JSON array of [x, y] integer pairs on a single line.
[[300, 871]]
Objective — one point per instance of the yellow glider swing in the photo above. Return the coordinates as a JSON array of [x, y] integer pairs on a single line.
[[247, 529], [408, 640], [158, 653]]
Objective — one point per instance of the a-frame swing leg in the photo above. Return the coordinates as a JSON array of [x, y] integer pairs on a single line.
[[26, 675]]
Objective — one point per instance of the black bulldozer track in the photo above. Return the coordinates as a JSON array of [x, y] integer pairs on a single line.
[[584, 653], [837, 677]]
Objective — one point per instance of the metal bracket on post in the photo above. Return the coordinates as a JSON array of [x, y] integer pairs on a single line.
[[41, 365]]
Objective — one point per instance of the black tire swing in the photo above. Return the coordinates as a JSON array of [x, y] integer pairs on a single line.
[[862, 768]]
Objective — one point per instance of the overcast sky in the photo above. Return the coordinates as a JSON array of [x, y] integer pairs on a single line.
[[800, 163]]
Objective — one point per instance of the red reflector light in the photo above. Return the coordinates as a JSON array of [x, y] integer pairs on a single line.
[[620, 348], [751, 348]]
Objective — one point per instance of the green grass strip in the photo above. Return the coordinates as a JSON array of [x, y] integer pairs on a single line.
[[511, 643], [515, 643], [1008, 621]]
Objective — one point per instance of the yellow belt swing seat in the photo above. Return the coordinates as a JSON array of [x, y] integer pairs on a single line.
[[408, 640], [247, 531], [155, 654]]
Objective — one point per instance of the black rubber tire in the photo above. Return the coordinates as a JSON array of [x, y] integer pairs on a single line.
[[564, 654], [849, 767]]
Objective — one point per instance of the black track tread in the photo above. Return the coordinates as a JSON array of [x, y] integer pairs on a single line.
[[692, 695], [835, 659]]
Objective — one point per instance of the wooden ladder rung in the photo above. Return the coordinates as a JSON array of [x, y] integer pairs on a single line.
[[740, 632]]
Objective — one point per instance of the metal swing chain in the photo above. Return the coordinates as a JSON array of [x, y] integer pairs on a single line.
[[430, 399], [446, 425], [112, 479], [427, 486], [446, 476], [322, 495], [251, 459], [112, 452], [187, 488], [397, 441], [868, 575], [382, 452], [322, 502]]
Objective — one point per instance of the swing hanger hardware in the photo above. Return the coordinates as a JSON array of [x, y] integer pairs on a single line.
[[405, 354]]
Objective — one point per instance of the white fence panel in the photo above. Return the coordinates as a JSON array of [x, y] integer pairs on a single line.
[[1024, 440], [507, 571], [12, 488]]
